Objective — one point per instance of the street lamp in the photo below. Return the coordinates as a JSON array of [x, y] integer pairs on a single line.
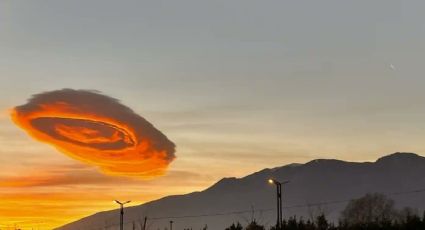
[[279, 201], [171, 224], [122, 212]]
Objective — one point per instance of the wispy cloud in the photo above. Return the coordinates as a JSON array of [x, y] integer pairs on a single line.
[[70, 174]]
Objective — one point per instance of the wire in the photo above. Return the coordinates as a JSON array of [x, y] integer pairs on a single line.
[[284, 207], [332, 202]]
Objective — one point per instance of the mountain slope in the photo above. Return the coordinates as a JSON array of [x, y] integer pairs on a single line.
[[311, 186]]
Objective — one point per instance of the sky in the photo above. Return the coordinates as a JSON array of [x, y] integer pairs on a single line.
[[238, 86]]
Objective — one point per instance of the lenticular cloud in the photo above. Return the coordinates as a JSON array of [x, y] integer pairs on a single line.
[[98, 130]]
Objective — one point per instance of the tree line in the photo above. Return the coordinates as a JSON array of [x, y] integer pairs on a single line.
[[370, 212]]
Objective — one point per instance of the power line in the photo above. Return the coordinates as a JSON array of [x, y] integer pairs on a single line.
[[332, 202], [284, 207]]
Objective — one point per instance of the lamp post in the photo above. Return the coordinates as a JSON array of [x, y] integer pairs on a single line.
[[171, 224], [122, 212], [279, 201]]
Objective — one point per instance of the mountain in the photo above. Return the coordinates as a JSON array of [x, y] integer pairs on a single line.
[[319, 186]]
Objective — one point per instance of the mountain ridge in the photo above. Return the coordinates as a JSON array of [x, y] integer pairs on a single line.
[[311, 182]]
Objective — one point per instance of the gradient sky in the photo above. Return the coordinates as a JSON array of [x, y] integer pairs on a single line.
[[237, 85]]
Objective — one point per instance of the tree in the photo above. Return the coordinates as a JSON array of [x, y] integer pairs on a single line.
[[372, 208], [254, 226], [238, 226], [322, 223]]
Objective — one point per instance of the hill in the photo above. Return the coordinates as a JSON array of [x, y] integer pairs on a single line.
[[319, 186]]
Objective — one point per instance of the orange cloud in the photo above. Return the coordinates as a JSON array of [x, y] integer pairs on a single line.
[[45, 197], [98, 130], [58, 177]]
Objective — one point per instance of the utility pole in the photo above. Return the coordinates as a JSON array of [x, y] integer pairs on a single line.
[[144, 223], [122, 212], [171, 224], [279, 219]]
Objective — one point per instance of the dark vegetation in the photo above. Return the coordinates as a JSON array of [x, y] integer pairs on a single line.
[[371, 212]]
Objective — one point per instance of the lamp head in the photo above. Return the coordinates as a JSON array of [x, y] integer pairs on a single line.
[[122, 203]]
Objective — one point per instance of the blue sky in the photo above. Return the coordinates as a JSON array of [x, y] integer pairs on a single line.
[[281, 73]]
